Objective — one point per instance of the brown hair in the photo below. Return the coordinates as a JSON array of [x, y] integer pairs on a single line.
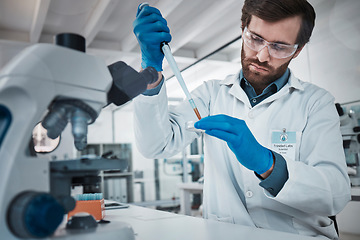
[[276, 10]]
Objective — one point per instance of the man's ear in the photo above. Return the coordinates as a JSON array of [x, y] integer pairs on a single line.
[[298, 51]]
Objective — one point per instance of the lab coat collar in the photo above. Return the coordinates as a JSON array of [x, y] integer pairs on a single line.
[[233, 81], [293, 82]]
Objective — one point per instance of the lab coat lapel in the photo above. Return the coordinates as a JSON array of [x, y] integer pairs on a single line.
[[233, 82], [292, 84]]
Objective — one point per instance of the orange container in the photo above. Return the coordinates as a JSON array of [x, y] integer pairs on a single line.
[[93, 207]]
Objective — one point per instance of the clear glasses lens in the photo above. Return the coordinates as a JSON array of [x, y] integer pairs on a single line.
[[276, 50]]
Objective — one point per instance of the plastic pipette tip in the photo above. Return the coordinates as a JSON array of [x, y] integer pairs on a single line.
[[89, 196], [197, 113]]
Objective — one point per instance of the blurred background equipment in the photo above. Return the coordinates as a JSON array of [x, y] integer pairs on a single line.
[[350, 130]]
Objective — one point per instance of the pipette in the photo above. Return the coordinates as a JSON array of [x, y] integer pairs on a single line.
[[170, 58], [174, 67]]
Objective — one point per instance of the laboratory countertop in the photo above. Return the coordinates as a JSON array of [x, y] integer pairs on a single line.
[[150, 224]]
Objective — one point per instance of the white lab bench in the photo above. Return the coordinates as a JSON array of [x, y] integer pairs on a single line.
[[149, 224], [349, 218]]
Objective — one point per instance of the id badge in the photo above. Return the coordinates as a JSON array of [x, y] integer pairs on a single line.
[[284, 143]]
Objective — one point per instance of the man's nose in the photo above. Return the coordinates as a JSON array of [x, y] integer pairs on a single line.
[[263, 54]]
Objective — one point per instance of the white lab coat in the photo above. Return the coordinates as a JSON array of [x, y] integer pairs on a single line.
[[318, 184]]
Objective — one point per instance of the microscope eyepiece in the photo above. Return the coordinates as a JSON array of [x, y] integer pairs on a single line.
[[128, 83]]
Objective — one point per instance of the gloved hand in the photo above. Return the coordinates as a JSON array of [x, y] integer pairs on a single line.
[[151, 30], [240, 140]]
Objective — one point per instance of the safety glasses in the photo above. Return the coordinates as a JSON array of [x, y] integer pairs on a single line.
[[276, 50]]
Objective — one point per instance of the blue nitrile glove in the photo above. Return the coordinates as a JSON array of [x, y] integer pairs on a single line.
[[151, 30], [239, 139]]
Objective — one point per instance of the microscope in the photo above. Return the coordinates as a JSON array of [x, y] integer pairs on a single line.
[[350, 131], [56, 85]]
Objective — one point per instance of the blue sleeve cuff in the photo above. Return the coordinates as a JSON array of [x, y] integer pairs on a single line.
[[276, 180], [154, 91]]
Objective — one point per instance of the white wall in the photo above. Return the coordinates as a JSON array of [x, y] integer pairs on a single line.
[[332, 58]]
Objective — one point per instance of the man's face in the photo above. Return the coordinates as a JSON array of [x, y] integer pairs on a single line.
[[260, 68]]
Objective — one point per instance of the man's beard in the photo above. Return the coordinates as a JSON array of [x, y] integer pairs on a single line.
[[261, 80]]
